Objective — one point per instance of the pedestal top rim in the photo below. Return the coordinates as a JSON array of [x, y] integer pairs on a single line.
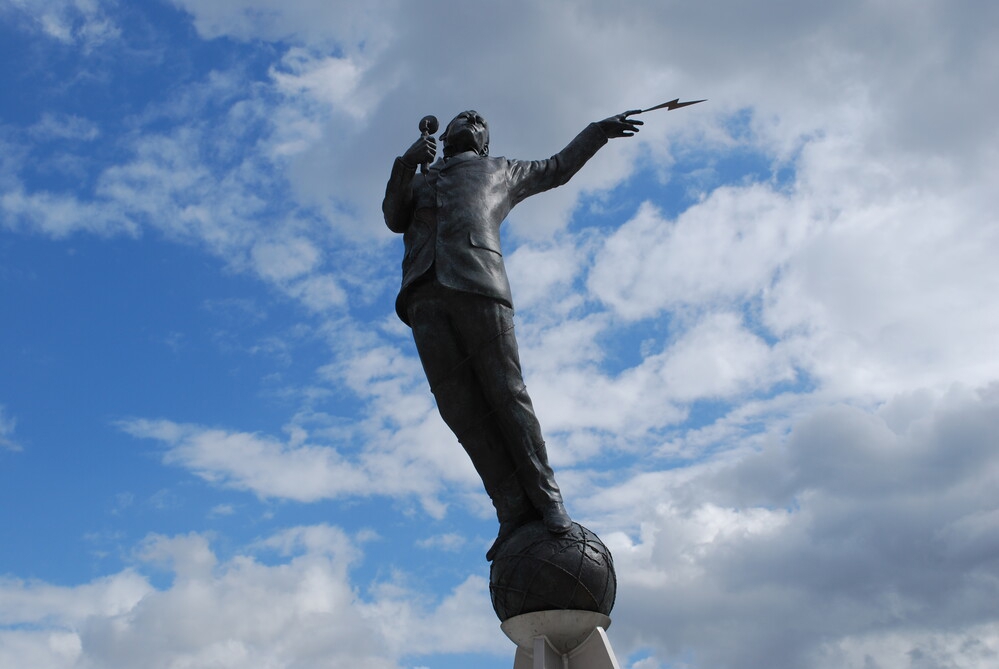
[[565, 629]]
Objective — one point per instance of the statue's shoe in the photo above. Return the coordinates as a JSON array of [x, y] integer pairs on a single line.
[[557, 520]]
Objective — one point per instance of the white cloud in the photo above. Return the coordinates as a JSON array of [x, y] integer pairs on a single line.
[[285, 259], [220, 510], [266, 466], [27, 602], [39, 649], [718, 358], [320, 293], [7, 425], [588, 408], [298, 470], [975, 647], [59, 215], [64, 126], [542, 276], [865, 275], [852, 537], [330, 81], [307, 20], [724, 249], [864, 539], [301, 611], [450, 542], [208, 180], [82, 22]]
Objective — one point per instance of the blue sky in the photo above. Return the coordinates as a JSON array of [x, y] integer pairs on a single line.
[[760, 335]]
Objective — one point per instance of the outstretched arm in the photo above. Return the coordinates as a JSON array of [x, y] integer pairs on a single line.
[[537, 176]]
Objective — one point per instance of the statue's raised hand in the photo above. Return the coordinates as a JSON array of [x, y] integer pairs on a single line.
[[620, 125], [423, 150]]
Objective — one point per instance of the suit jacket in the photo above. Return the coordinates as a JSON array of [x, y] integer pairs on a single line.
[[450, 220]]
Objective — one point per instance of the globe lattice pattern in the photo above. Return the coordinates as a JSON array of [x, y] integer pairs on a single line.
[[535, 570]]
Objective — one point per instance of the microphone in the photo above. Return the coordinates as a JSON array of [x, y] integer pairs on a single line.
[[428, 126]]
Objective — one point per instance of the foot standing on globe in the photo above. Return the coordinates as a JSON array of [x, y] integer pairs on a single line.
[[535, 570], [456, 297]]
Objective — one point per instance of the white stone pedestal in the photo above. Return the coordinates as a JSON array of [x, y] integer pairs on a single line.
[[561, 640]]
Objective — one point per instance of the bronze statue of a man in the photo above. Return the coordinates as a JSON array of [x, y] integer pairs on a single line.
[[456, 298]]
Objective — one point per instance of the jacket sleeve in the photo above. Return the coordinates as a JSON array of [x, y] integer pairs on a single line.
[[528, 177], [397, 206]]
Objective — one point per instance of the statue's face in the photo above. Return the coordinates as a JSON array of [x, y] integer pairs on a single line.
[[466, 132]]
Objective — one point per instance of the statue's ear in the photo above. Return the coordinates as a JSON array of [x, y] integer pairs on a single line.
[[485, 150]]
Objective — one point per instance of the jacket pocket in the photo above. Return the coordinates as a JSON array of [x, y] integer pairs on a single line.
[[485, 241]]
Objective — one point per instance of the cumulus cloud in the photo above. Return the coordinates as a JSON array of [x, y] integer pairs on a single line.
[[722, 250], [285, 259], [718, 358], [840, 512], [863, 539], [211, 181], [421, 460], [301, 610], [332, 82], [269, 467], [864, 281]]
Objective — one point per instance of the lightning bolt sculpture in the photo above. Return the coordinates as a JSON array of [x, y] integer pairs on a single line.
[[668, 106]]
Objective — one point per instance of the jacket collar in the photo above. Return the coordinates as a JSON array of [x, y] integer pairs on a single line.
[[462, 157]]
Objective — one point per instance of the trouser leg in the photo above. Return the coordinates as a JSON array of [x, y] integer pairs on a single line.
[[495, 361], [463, 407], [482, 440], [470, 355]]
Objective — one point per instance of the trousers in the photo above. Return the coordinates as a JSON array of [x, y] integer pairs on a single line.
[[469, 353]]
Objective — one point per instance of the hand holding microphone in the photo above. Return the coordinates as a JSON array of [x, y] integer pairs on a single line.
[[423, 150], [428, 126]]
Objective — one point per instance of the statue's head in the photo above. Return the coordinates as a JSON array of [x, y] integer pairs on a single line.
[[466, 132]]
